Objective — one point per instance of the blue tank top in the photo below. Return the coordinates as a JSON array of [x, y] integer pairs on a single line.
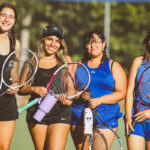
[[102, 83], [143, 66]]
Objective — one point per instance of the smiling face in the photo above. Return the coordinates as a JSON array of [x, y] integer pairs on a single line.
[[51, 44], [7, 19], [95, 46]]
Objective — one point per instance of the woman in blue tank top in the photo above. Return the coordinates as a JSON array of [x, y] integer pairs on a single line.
[[108, 87], [141, 132]]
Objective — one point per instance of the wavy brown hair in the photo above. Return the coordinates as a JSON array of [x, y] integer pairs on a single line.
[[60, 54]]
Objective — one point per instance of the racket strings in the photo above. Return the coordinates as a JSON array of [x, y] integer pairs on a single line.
[[61, 82], [98, 140], [9, 70], [145, 87], [26, 73], [70, 79], [117, 142], [82, 78], [19, 67], [27, 66]]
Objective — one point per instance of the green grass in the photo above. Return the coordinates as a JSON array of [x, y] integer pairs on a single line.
[[22, 140]]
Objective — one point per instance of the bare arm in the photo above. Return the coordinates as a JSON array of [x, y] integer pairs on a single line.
[[68, 58], [130, 91], [28, 89], [17, 44], [120, 88]]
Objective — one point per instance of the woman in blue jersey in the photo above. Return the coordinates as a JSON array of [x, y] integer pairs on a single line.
[[141, 131], [52, 132], [108, 87], [8, 44]]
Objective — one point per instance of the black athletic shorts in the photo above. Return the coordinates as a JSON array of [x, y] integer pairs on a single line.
[[8, 108], [58, 114]]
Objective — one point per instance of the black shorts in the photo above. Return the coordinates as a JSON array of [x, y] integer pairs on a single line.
[[58, 114], [8, 108]]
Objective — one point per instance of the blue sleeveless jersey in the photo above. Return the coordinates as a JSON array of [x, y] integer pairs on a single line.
[[102, 83], [141, 69]]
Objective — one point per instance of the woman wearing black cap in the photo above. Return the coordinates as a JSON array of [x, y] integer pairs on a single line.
[[134, 106], [52, 131]]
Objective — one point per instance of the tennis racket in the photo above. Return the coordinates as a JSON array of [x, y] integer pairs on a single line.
[[117, 143], [134, 122], [97, 140], [94, 136], [70, 79], [20, 63], [144, 91]]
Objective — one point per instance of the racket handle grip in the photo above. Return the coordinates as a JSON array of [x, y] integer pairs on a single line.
[[88, 121], [134, 122], [45, 107], [33, 102], [88, 91]]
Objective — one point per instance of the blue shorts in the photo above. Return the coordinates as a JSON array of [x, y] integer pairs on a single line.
[[142, 129], [108, 115]]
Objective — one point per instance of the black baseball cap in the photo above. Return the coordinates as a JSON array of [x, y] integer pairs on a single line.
[[53, 29]]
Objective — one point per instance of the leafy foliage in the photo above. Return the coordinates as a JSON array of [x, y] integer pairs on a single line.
[[128, 26]]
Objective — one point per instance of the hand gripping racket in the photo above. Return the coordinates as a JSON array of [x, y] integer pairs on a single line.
[[70, 79], [97, 140], [21, 62], [144, 91]]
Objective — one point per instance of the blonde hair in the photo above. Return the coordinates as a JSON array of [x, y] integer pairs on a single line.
[[60, 54]]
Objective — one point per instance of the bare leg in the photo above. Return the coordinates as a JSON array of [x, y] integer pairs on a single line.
[[99, 140], [135, 142], [38, 133], [57, 136], [147, 145], [85, 145], [105, 140], [6, 134], [77, 136]]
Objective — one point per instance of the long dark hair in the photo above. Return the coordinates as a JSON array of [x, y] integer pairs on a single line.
[[146, 43], [12, 35], [86, 38]]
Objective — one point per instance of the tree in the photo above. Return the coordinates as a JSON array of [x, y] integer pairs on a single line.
[[128, 25]]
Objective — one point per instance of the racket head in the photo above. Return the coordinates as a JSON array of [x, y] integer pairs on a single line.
[[104, 129], [19, 67], [98, 141], [71, 79], [144, 87]]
